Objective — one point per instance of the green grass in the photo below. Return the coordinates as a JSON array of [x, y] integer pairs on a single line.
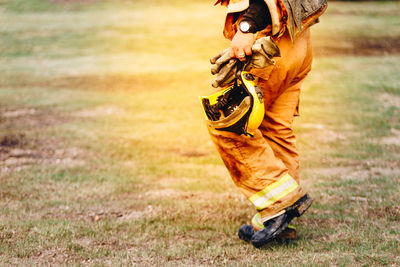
[[105, 158]]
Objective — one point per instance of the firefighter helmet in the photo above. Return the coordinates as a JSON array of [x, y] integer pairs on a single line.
[[238, 108]]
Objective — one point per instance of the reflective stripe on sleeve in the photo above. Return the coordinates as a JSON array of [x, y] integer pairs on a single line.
[[274, 192]]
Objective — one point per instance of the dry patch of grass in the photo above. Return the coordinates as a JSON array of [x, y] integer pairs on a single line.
[[356, 46], [394, 139], [20, 149], [390, 100], [30, 118], [17, 152], [107, 82], [100, 112], [355, 38]]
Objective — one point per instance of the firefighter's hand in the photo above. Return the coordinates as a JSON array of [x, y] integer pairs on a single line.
[[219, 60], [264, 50], [226, 74], [241, 45]]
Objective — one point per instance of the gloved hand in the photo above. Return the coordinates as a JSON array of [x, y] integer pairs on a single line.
[[225, 67], [263, 52], [217, 61], [226, 73]]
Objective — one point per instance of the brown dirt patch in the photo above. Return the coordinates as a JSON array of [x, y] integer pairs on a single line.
[[168, 193], [322, 133], [12, 140], [99, 212], [16, 159], [384, 212], [19, 112], [353, 172], [364, 12], [372, 46], [21, 118], [180, 195], [84, 82], [100, 111], [394, 139], [390, 100], [193, 154], [74, 1], [17, 152]]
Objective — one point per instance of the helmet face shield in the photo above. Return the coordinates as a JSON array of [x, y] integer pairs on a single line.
[[238, 108]]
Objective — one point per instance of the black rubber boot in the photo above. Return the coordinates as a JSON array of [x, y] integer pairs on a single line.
[[275, 226], [246, 232]]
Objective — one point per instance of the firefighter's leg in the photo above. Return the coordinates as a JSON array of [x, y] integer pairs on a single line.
[[280, 111], [261, 176], [277, 130]]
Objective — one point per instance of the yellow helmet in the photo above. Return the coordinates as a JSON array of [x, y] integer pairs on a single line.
[[238, 108]]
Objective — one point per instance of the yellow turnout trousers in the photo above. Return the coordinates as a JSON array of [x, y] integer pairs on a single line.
[[265, 167]]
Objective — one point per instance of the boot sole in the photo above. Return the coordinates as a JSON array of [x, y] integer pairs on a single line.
[[282, 227], [301, 206], [289, 233], [296, 210], [304, 206]]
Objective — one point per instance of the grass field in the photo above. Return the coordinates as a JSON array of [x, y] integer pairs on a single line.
[[105, 158]]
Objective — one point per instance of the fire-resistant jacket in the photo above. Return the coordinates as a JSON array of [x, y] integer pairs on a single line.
[[290, 15]]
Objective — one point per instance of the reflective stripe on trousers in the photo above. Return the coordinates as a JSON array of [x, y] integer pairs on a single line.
[[274, 192]]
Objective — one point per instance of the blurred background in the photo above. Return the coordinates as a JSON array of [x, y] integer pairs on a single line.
[[105, 158]]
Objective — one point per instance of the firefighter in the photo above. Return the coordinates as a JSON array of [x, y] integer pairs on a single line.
[[264, 165]]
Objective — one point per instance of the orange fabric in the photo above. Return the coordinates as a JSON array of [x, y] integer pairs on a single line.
[[283, 14], [255, 163], [231, 26]]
